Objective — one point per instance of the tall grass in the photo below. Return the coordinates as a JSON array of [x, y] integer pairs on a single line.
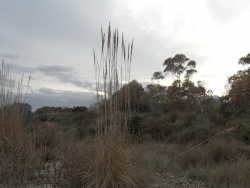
[[17, 159], [112, 72], [113, 163]]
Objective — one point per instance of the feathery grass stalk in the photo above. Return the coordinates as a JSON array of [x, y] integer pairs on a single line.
[[114, 162], [108, 82]]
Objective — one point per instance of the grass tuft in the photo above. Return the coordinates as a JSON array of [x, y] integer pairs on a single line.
[[18, 161]]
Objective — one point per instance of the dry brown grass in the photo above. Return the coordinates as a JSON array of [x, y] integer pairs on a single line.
[[18, 161], [46, 138], [114, 163], [77, 156], [221, 162], [236, 174], [107, 161]]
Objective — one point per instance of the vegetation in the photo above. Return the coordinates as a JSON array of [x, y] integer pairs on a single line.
[[132, 133]]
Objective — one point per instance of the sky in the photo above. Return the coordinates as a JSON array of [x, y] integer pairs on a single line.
[[53, 41]]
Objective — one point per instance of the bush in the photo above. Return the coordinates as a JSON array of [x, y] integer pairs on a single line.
[[46, 138], [186, 137], [173, 117], [158, 132], [226, 110], [18, 159], [188, 118], [242, 133], [218, 119], [43, 117], [135, 125], [83, 131], [111, 164]]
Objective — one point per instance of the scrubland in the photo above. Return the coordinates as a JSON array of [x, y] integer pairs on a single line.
[[216, 153], [117, 144]]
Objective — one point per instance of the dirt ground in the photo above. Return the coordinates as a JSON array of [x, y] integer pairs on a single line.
[[172, 180]]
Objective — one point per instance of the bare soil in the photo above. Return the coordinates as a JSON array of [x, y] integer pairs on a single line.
[[167, 180]]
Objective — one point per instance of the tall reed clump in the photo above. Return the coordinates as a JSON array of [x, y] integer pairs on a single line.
[[112, 72], [113, 162], [17, 160]]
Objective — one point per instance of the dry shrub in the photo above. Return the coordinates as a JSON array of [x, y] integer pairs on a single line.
[[167, 150], [242, 133], [110, 163], [218, 120], [18, 160], [195, 135], [46, 134], [225, 174], [222, 150], [215, 151], [189, 118], [156, 156], [198, 157], [46, 138], [235, 174], [114, 165], [158, 132], [186, 137], [77, 156]]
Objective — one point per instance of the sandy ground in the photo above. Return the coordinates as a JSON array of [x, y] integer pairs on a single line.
[[172, 180]]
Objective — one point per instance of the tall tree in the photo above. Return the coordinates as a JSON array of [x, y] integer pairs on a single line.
[[157, 76], [178, 65], [239, 92], [156, 96], [238, 86], [245, 60], [136, 91]]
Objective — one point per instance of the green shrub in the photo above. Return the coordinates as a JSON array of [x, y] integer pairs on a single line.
[[218, 119], [135, 125], [242, 133], [226, 110], [189, 117], [173, 117]]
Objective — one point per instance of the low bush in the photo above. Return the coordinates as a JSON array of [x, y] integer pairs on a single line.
[[242, 133], [18, 158], [218, 119], [46, 138], [112, 163], [189, 118]]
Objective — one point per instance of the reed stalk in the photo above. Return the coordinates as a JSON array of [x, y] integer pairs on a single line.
[[112, 72]]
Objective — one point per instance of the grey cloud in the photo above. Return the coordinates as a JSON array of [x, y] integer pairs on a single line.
[[20, 69], [54, 68], [65, 74], [47, 91], [50, 97], [9, 56], [55, 20]]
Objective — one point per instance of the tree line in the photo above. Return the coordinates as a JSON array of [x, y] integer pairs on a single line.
[[182, 95], [185, 95]]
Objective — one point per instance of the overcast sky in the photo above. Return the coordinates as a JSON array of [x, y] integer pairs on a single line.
[[53, 40]]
